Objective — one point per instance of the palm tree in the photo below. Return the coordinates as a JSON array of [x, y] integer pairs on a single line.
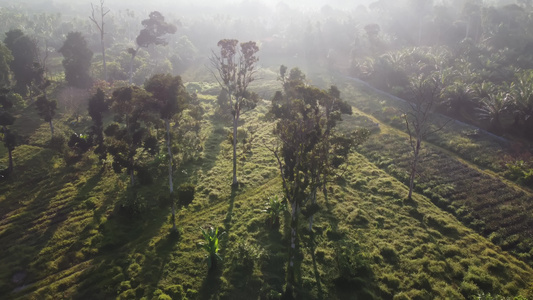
[[457, 98], [492, 108], [522, 95]]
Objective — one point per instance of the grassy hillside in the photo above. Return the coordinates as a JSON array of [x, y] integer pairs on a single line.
[[62, 232]]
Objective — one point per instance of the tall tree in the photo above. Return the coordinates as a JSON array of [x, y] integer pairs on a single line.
[[77, 60], [7, 119], [424, 96], [234, 68], [100, 25], [172, 98], [154, 29], [133, 111], [97, 107], [46, 109], [306, 117], [25, 55]]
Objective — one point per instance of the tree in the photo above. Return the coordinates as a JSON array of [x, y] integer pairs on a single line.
[[424, 95], [306, 117], [7, 119], [100, 25], [155, 28], [47, 110], [172, 98], [97, 107], [77, 60], [25, 55], [234, 69], [132, 107]]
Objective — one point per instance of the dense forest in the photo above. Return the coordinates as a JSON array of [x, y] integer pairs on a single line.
[[341, 149]]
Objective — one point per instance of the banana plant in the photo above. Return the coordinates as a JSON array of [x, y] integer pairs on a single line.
[[274, 208], [211, 245]]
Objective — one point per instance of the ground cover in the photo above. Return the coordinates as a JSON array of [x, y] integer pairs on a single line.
[[63, 232]]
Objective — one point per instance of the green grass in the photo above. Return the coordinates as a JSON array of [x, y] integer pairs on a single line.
[[62, 232]]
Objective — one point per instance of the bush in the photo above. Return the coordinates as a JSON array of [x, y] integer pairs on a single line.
[[57, 143], [186, 194], [389, 255], [132, 203], [175, 292]]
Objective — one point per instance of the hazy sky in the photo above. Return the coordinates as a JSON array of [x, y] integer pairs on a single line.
[[309, 4]]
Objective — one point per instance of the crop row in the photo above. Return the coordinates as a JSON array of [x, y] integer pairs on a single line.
[[481, 201]]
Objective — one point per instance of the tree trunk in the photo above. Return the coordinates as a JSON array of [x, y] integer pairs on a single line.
[[413, 169], [131, 63], [235, 183], [103, 55], [132, 178], [313, 201], [10, 167], [292, 250], [170, 179]]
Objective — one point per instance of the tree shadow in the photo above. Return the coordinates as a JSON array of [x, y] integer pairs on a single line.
[[29, 263], [212, 145], [274, 270], [311, 245], [211, 284], [126, 252]]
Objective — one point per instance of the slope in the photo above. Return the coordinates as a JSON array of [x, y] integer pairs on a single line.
[[62, 231]]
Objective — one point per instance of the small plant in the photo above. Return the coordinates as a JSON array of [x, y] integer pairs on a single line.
[[211, 246], [246, 255], [274, 208]]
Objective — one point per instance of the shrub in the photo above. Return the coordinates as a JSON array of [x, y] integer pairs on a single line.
[[389, 255], [175, 292], [352, 263], [246, 255], [80, 143], [186, 194], [132, 203], [468, 289], [57, 142]]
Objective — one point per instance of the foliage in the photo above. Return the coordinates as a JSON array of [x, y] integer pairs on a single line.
[[154, 29], [97, 107], [211, 246], [131, 107], [46, 109], [5, 61], [80, 143], [274, 208], [77, 60], [25, 53]]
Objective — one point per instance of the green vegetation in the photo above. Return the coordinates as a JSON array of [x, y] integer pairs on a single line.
[[367, 240], [211, 245], [336, 197]]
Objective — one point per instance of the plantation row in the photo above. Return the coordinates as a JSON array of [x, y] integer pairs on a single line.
[[481, 201]]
